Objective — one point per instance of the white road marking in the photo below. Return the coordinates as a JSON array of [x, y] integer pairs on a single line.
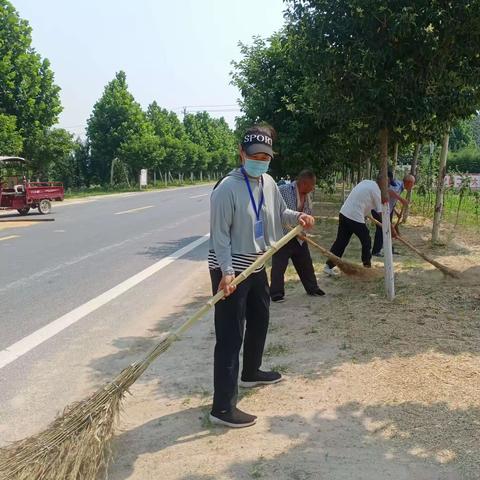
[[202, 195], [134, 210], [10, 237], [96, 198], [23, 346]]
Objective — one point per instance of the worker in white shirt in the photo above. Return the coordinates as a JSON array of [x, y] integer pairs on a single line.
[[364, 198]]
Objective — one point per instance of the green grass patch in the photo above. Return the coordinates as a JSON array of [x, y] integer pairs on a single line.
[[276, 350], [257, 470], [468, 214], [283, 369]]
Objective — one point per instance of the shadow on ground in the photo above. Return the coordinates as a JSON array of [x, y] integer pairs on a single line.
[[163, 249], [382, 443], [313, 339]]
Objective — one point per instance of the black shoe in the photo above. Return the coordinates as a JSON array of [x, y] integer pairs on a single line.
[[377, 254], [367, 265], [278, 298], [394, 252], [317, 293], [234, 419], [260, 378]]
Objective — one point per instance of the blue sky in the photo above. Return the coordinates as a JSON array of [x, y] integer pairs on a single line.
[[175, 52]]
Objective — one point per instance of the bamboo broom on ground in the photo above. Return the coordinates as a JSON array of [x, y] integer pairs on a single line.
[[76, 445], [349, 268], [444, 269]]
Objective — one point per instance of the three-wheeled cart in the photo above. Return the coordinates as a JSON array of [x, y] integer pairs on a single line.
[[18, 193]]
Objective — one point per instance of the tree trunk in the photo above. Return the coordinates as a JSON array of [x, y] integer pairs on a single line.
[[359, 170], [111, 171], [459, 206], [414, 165], [437, 217], [395, 157], [387, 233], [367, 169], [413, 171]]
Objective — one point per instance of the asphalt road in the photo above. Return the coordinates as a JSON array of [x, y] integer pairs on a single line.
[[97, 255]]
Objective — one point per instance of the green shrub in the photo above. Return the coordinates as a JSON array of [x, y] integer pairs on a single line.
[[466, 161]]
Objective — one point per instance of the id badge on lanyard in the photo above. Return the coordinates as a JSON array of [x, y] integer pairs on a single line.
[[259, 230], [258, 226]]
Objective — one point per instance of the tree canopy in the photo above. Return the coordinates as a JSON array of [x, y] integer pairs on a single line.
[[28, 91], [338, 73]]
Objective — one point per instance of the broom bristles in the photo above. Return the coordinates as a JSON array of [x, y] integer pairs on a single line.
[[353, 269], [77, 444], [349, 268], [71, 448]]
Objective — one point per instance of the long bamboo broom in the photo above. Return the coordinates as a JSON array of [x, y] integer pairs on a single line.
[[76, 445], [349, 268], [444, 269]]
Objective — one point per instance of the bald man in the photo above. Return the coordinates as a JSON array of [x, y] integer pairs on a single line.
[[296, 196]]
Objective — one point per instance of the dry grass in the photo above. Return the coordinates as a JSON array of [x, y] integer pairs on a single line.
[[415, 362], [373, 389]]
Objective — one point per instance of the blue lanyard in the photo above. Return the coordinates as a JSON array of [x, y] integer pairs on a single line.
[[254, 205]]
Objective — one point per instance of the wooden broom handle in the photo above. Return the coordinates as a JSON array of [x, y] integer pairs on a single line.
[[239, 279], [399, 217], [324, 251], [436, 264]]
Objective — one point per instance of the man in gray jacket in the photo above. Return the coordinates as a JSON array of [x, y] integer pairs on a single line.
[[246, 215]]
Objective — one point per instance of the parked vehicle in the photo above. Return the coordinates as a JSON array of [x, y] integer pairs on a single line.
[[18, 193]]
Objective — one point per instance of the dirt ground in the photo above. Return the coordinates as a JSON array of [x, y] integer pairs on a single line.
[[373, 389]]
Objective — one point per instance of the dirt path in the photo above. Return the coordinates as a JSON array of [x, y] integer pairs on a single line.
[[373, 391]]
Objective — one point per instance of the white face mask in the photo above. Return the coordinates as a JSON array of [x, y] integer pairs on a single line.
[[256, 168]]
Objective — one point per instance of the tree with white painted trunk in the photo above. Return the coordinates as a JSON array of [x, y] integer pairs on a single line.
[[386, 225], [396, 68]]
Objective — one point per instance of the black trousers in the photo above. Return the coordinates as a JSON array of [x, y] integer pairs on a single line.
[[346, 228], [241, 317], [378, 242], [302, 261]]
